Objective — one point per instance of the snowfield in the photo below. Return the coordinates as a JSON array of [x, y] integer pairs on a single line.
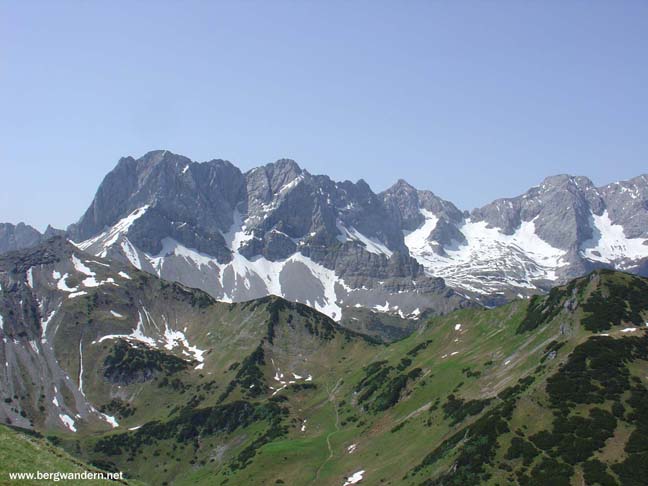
[[523, 256], [609, 243]]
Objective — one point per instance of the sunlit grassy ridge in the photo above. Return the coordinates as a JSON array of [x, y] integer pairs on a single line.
[[543, 391], [22, 452]]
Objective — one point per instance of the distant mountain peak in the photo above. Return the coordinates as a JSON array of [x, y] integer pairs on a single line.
[[20, 236], [401, 185], [561, 180]]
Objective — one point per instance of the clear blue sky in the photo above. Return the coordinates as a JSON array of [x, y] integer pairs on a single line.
[[473, 100]]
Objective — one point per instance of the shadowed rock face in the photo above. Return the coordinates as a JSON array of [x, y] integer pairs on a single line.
[[191, 203], [563, 206], [404, 203], [560, 206], [18, 236]]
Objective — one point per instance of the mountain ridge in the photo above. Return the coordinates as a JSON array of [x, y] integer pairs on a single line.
[[400, 252]]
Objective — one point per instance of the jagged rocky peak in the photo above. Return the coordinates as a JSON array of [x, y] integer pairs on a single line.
[[269, 180], [164, 195], [267, 188], [402, 201], [411, 207], [287, 203], [15, 237], [562, 208], [561, 228], [276, 229], [50, 232], [627, 205], [559, 207], [21, 235]]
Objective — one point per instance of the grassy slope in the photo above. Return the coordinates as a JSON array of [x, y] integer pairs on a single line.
[[396, 426], [20, 452], [491, 357]]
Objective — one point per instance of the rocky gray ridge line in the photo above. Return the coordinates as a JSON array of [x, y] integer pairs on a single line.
[[277, 229], [20, 236], [266, 230], [557, 230]]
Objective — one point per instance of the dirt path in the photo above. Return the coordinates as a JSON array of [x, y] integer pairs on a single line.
[[331, 399]]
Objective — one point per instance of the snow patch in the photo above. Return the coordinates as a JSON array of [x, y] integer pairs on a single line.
[[105, 240], [110, 419], [136, 335], [61, 284], [610, 243], [81, 367], [279, 377], [131, 253], [237, 234], [372, 245], [34, 346], [355, 478], [81, 267], [77, 294], [174, 339], [46, 321], [417, 240], [68, 422]]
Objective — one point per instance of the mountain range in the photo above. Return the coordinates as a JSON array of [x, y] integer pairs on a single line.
[[358, 256]]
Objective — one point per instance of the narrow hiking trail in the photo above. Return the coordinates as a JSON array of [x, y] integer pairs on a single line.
[[331, 399]]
